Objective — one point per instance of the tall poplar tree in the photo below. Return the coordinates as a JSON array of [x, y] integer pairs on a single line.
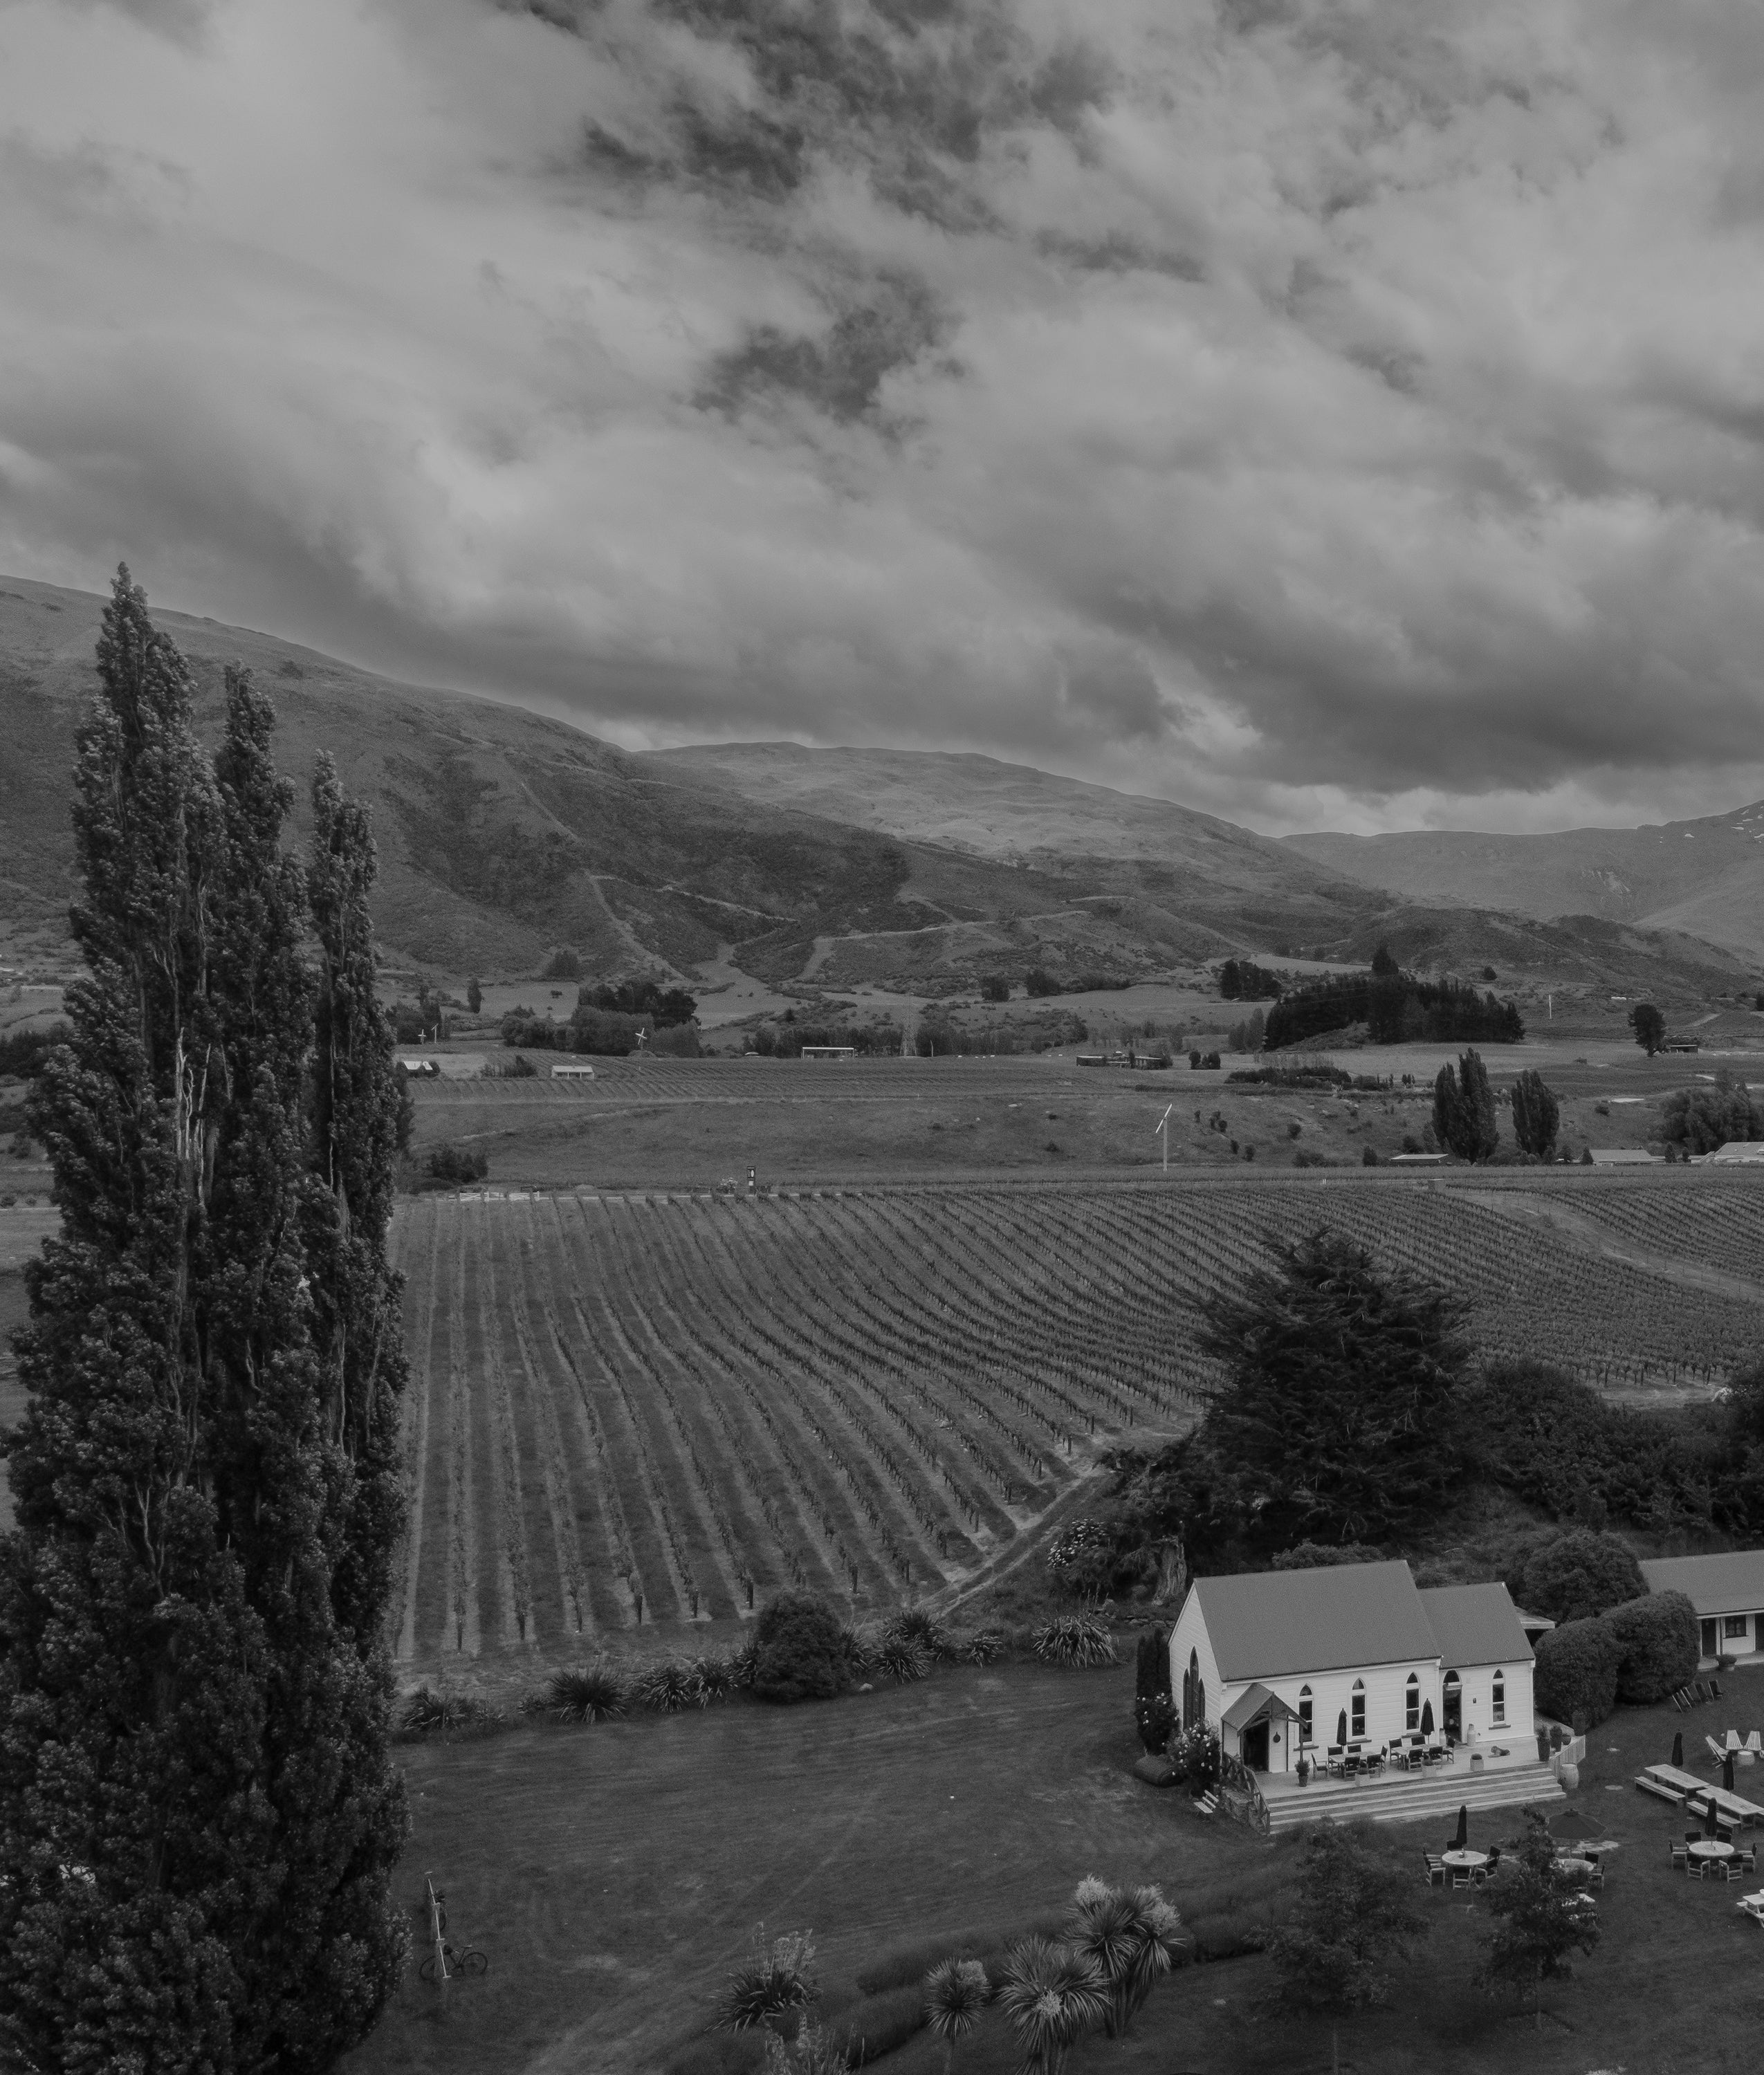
[[196, 1822]]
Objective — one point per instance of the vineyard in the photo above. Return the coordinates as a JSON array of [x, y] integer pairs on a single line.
[[631, 1410]]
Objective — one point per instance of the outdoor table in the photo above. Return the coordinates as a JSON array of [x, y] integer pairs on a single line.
[[1466, 1861], [1568, 1865], [1711, 1848]]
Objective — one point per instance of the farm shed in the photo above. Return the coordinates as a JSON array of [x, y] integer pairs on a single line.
[[830, 1051], [1728, 1592], [1291, 1663], [449, 1066], [1736, 1153], [571, 1070], [1623, 1156]]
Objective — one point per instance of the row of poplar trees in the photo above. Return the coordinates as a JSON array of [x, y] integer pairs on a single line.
[[198, 1816]]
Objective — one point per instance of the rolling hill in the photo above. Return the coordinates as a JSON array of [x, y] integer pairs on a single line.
[[505, 836], [1703, 878]]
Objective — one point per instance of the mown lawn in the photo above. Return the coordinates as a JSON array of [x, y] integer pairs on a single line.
[[613, 1875]]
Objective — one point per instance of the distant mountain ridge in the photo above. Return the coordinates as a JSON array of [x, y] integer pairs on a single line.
[[504, 836], [1704, 877]]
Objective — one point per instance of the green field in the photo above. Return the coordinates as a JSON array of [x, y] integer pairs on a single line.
[[614, 1875]]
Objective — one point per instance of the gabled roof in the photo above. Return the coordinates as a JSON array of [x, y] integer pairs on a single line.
[[1476, 1624], [1731, 1584], [1270, 1624], [1255, 1699]]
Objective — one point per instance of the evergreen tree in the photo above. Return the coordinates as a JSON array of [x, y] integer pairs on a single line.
[[1648, 1027], [1337, 1421], [1542, 1914], [1536, 1114], [1463, 1108], [194, 1827]]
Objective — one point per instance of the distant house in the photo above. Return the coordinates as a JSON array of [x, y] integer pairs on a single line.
[[445, 1066], [571, 1070], [1736, 1153], [1417, 1160], [1728, 1592], [1623, 1156], [1093, 1058], [830, 1051], [1681, 1044], [1283, 1663]]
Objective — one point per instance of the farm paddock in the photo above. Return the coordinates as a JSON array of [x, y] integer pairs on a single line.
[[633, 1412], [614, 1874]]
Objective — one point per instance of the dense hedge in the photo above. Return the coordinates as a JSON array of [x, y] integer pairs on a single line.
[[1577, 1574], [799, 1651], [1658, 1636], [1397, 1008], [1575, 1677]]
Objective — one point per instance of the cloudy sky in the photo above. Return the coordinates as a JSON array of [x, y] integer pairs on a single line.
[[1332, 415]]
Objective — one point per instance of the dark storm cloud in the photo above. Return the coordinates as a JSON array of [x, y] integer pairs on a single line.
[[1317, 413]]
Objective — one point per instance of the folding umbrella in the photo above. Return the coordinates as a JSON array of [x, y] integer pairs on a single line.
[[1727, 1772], [1571, 1823], [1462, 1837], [1677, 1750]]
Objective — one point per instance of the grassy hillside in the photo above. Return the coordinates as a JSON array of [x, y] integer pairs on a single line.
[[1704, 877], [505, 835]]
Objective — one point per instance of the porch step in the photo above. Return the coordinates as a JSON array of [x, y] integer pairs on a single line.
[[1405, 1800]]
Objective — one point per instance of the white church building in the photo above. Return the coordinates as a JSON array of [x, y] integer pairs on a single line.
[[1320, 1662]]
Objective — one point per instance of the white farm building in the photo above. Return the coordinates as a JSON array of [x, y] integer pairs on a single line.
[[1728, 1592], [1352, 1658]]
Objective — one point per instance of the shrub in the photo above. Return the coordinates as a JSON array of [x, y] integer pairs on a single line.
[[881, 2023], [800, 1651], [916, 1624], [986, 1645], [995, 989], [1320, 1555], [900, 1657], [680, 1041], [713, 1679], [1040, 983], [666, 1687], [1577, 1574], [587, 1693], [772, 1979], [1658, 1637], [457, 1163], [427, 1714], [1074, 1640], [1576, 1672], [23, 1052]]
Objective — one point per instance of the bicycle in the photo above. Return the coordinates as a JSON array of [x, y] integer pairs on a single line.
[[448, 1960]]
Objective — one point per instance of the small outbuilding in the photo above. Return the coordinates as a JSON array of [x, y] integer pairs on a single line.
[[1727, 1591]]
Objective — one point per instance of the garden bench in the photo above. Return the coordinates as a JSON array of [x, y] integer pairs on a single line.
[[1659, 1787]]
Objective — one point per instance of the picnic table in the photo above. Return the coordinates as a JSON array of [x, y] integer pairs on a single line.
[[1733, 1806]]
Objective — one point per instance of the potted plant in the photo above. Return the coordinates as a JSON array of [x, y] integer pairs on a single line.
[[1304, 1768]]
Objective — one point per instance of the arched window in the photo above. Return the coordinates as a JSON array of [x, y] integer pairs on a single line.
[[1411, 1703], [1304, 1715], [1358, 1702], [1499, 1696]]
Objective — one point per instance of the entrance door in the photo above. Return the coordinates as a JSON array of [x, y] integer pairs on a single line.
[[1452, 1697], [1711, 1643], [1255, 1745]]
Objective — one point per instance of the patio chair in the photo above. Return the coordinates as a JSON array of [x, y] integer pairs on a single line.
[[1596, 1875], [1693, 1836], [1748, 1859], [1436, 1870], [1680, 1703], [1716, 1751], [1461, 1877], [1715, 1689], [1753, 1744], [1681, 1854], [1700, 1691]]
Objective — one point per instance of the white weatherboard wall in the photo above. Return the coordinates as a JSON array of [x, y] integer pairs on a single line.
[[1189, 1635], [1477, 1697]]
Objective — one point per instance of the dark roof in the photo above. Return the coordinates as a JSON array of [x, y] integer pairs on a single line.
[[1269, 1623], [1726, 1584], [1476, 1624]]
